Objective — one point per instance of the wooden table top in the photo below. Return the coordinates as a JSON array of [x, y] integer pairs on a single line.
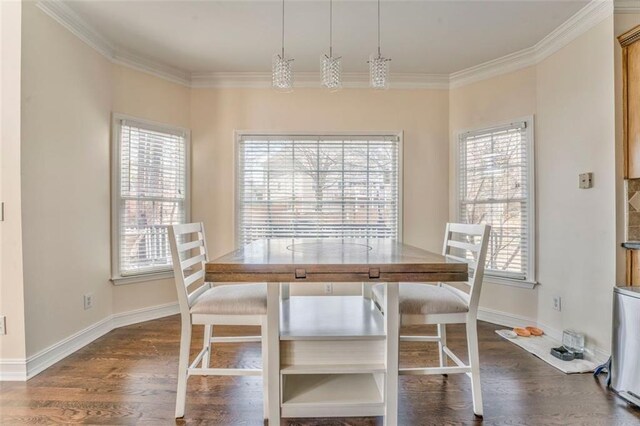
[[333, 260]]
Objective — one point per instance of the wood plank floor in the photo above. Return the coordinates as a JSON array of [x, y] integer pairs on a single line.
[[129, 377]]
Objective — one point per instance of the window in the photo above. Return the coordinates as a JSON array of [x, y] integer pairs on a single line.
[[496, 187], [150, 192], [321, 186]]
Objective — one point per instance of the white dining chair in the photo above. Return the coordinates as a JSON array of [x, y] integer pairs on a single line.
[[443, 304], [204, 304]]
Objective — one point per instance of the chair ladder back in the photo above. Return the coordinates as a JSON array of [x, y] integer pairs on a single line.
[[185, 256], [478, 250]]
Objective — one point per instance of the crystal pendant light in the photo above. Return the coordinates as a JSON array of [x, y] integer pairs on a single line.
[[379, 65], [282, 68], [331, 67]]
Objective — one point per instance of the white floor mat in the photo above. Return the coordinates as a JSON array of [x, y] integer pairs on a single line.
[[541, 347]]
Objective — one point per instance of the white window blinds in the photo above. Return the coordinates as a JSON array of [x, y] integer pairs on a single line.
[[152, 194], [317, 186], [496, 188]]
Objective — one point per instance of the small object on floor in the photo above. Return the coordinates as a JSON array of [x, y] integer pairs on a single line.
[[507, 334], [573, 341], [602, 368], [535, 331], [541, 347], [565, 354], [522, 332], [562, 353]]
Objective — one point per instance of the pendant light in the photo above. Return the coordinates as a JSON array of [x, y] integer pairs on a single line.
[[282, 68], [379, 65], [331, 68]]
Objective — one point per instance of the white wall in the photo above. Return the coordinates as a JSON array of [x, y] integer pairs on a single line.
[[571, 95], [69, 92], [66, 109], [12, 345], [577, 228]]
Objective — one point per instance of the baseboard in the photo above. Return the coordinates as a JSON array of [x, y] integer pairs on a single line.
[[145, 314], [13, 370], [21, 370], [596, 354], [42, 360], [504, 318]]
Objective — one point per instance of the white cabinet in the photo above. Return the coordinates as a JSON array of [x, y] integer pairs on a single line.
[[332, 355]]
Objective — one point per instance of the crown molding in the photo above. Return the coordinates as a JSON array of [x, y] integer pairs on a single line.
[[626, 6], [69, 19], [587, 17], [66, 17], [141, 63], [506, 64], [262, 80]]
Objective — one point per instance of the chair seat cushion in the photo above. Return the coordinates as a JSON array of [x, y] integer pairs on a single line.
[[232, 299], [425, 299]]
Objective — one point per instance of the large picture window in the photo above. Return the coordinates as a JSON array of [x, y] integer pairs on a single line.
[[496, 187], [150, 192], [317, 186]]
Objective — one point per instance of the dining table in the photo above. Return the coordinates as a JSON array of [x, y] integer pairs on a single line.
[[333, 356]]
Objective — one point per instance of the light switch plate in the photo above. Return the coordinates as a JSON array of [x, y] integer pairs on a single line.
[[586, 180], [3, 325]]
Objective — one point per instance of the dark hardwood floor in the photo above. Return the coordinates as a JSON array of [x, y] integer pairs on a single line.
[[129, 377]]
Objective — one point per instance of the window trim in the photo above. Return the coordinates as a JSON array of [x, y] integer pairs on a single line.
[[530, 279], [116, 118], [239, 134]]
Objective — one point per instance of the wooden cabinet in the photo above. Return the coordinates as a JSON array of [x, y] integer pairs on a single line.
[[631, 101], [633, 268]]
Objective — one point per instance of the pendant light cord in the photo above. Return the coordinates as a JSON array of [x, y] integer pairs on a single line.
[[282, 29], [378, 27], [331, 28]]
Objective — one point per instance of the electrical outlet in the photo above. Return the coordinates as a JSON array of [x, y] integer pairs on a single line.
[[88, 301], [586, 180], [328, 288], [557, 303], [3, 325]]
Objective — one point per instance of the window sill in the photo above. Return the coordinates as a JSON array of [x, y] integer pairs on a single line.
[[510, 282], [132, 279]]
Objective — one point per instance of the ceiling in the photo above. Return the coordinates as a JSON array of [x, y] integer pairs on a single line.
[[432, 37]]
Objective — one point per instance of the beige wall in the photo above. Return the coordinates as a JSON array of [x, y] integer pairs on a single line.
[[65, 170], [577, 228], [484, 104], [144, 96], [421, 114], [12, 345], [66, 177], [66, 105]]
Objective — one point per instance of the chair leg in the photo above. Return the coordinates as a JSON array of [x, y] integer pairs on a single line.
[[183, 365], [442, 335], [474, 361], [265, 370], [206, 344]]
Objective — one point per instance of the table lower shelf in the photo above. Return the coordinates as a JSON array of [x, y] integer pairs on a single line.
[[332, 395]]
